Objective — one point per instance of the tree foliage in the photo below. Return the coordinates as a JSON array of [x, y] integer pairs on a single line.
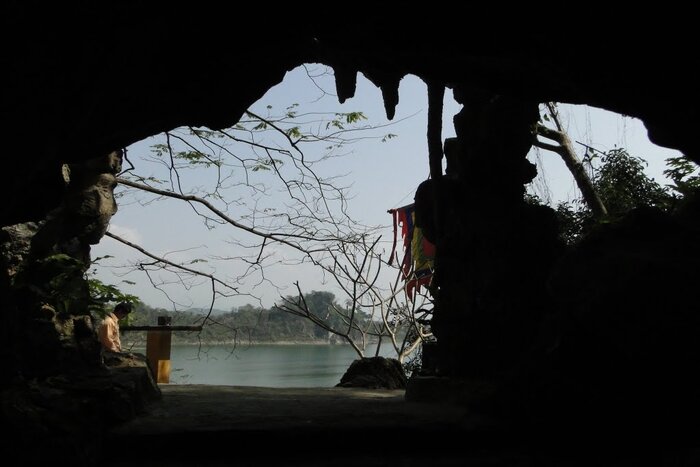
[[103, 297], [684, 174], [245, 324], [622, 184]]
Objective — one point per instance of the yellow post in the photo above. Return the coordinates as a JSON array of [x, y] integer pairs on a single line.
[[158, 351]]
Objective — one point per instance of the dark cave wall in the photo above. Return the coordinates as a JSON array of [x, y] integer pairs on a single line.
[[87, 80], [81, 82], [495, 251]]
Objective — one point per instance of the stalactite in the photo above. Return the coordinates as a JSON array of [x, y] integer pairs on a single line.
[[345, 82], [390, 94], [388, 83]]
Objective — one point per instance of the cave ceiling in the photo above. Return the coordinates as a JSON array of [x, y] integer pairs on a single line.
[[83, 80]]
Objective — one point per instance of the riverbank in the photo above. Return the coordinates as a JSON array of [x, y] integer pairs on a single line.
[[126, 343]]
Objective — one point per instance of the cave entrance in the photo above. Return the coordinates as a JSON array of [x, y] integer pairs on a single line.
[[216, 228], [230, 223]]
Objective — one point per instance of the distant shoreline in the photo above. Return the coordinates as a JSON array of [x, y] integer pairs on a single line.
[[142, 344], [245, 343]]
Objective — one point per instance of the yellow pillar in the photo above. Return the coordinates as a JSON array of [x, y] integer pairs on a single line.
[[158, 351]]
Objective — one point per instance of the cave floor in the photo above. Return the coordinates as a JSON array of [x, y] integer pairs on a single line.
[[217, 425], [251, 426], [206, 409]]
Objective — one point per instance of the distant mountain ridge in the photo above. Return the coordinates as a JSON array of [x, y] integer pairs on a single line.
[[204, 311], [247, 323]]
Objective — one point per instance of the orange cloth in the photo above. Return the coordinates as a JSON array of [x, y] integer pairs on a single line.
[[109, 333]]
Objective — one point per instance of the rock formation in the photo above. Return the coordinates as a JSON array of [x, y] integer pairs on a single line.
[[512, 309]]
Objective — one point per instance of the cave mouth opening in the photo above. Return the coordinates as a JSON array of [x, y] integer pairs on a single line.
[[298, 167], [292, 143]]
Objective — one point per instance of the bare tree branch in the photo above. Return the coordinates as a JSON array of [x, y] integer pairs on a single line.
[[170, 263], [222, 215], [312, 221]]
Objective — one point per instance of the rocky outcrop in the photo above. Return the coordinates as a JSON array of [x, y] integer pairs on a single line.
[[374, 373], [66, 417], [74, 96], [58, 392], [86, 208], [50, 328]]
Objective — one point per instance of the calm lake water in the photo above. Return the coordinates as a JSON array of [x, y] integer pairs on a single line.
[[278, 366]]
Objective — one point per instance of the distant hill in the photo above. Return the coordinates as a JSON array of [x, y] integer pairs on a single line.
[[244, 324], [204, 311]]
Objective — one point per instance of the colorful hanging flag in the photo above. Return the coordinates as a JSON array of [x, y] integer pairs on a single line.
[[419, 253]]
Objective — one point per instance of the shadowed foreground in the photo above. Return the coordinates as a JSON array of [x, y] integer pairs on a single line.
[[227, 425], [215, 425]]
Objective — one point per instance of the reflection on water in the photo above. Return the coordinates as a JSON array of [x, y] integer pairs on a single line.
[[279, 366]]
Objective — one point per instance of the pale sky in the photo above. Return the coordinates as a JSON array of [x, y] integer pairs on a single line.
[[380, 175]]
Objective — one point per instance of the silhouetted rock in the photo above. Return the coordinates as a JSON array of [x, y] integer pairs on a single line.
[[374, 373], [68, 415]]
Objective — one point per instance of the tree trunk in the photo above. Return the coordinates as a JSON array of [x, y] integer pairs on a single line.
[[566, 150]]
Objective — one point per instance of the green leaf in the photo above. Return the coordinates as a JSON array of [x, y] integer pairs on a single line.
[[353, 117], [336, 124]]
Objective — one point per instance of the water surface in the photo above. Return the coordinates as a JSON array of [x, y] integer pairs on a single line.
[[278, 366]]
